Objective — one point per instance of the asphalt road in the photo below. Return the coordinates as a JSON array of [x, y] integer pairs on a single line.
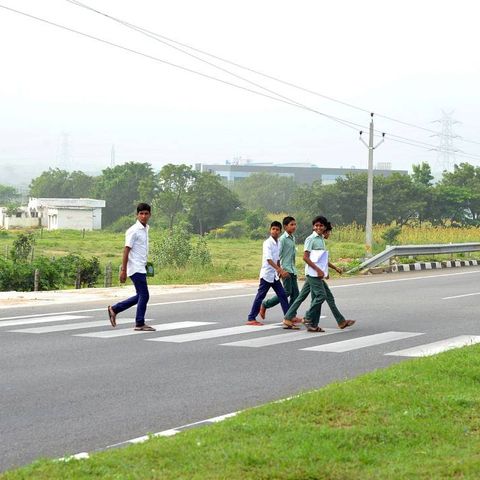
[[66, 391]]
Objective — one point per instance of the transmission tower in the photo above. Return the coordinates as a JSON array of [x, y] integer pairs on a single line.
[[112, 156], [63, 153], [446, 148]]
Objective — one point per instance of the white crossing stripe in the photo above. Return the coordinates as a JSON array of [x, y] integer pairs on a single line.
[[74, 326], [362, 342], [114, 333], [282, 338], [437, 347], [208, 334], [34, 321]]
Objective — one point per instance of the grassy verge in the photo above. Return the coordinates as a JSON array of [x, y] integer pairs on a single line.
[[233, 259], [416, 420]]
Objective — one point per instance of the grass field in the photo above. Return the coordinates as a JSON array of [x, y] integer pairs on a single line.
[[419, 419], [233, 259]]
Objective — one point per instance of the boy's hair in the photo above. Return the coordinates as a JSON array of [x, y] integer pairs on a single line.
[[328, 227], [143, 206], [287, 220], [320, 219], [276, 224]]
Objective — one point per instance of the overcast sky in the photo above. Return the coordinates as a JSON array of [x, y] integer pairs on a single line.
[[408, 60]]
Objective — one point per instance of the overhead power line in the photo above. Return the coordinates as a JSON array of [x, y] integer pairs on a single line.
[[346, 123], [278, 97], [165, 40]]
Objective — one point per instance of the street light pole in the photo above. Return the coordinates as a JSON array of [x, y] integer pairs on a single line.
[[368, 223]]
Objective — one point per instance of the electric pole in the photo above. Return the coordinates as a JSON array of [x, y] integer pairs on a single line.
[[368, 223]]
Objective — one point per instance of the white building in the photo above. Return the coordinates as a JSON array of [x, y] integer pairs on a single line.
[[55, 213]]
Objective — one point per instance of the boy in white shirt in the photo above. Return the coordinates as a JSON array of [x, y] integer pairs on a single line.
[[270, 274], [134, 263]]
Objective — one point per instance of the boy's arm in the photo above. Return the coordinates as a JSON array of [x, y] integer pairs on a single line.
[[123, 268], [281, 272], [337, 269], [306, 259]]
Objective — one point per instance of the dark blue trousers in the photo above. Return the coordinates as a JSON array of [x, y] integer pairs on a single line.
[[263, 289], [140, 299]]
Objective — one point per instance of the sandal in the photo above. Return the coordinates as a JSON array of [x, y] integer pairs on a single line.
[[315, 329], [289, 325], [346, 323], [112, 316], [144, 328]]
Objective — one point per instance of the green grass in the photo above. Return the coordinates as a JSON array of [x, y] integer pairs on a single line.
[[419, 419], [233, 259]]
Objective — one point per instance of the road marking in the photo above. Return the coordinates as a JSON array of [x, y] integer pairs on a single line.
[[74, 326], [424, 277], [461, 296], [163, 327], [281, 338], [208, 334], [104, 309], [437, 347], [362, 342], [32, 321]]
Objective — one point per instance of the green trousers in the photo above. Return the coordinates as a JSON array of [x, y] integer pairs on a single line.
[[290, 285], [294, 306]]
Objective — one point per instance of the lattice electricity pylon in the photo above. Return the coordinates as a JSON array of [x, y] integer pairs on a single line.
[[446, 149]]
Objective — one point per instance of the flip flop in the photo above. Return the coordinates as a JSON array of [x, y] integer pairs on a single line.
[[144, 328], [112, 316], [348, 323], [315, 329], [289, 325]]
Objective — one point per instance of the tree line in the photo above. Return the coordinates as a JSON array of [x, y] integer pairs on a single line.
[[201, 201]]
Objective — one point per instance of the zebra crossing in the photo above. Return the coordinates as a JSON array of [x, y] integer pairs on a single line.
[[336, 341]]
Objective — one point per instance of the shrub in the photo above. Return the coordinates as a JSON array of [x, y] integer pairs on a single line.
[[121, 224], [22, 247], [172, 248], [200, 255], [71, 265], [234, 229], [390, 235]]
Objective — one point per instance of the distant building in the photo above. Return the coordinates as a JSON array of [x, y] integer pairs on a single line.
[[234, 172], [55, 213]]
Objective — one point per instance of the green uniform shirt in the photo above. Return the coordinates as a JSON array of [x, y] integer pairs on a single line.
[[313, 242], [287, 252]]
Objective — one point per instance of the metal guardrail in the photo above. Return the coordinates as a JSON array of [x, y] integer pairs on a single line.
[[404, 250]]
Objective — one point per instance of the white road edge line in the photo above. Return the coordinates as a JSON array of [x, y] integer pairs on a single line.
[[461, 296], [251, 294], [150, 305]]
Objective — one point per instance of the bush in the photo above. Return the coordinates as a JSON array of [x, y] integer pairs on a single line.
[[200, 256], [121, 224], [255, 219], [260, 233], [22, 247], [88, 268], [229, 230], [172, 248], [391, 234]]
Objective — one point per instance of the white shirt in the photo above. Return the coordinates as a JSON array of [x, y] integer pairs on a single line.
[[136, 237], [271, 251]]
